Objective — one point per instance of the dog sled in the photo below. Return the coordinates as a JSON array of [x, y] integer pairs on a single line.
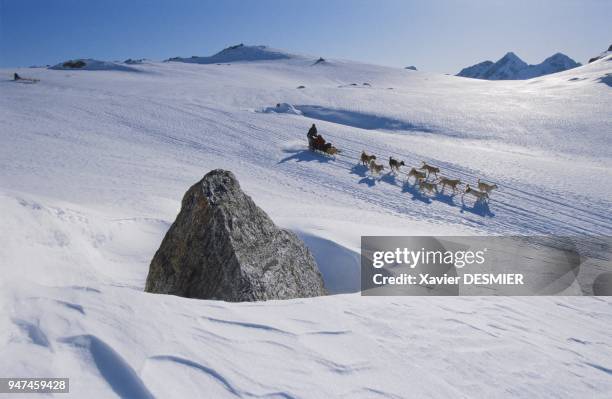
[[20, 79], [27, 80], [326, 149], [316, 143], [331, 150]]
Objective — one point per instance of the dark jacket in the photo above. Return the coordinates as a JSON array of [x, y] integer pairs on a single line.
[[312, 132]]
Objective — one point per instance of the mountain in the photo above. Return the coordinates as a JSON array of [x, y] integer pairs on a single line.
[[556, 63], [512, 67], [238, 53]]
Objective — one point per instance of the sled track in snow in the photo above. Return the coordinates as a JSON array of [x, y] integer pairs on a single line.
[[512, 210]]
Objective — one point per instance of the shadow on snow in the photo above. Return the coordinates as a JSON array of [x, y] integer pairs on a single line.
[[306, 156]]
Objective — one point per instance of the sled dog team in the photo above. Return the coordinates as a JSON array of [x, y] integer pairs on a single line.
[[422, 174]]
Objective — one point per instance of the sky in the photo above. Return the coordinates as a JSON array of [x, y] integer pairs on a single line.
[[438, 35]]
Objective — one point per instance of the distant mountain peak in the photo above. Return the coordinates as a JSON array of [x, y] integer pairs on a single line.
[[512, 67], [558, 55], [510, 55], [237, 53]]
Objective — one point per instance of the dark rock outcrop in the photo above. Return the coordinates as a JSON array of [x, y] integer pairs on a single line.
[[76, 64], [602, 55], [223, 246]]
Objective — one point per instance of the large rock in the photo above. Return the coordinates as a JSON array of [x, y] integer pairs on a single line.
[[223, 246]]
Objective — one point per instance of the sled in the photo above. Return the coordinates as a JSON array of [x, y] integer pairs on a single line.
[[26, 80], [331, 151]]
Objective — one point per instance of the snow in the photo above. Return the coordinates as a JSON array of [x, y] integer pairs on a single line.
[[94, 165], [510, 66]]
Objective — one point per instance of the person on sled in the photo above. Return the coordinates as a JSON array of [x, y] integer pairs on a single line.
[[312, 135], [316, 141]]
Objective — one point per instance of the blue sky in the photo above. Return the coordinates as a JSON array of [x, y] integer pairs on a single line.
[[438, 35]]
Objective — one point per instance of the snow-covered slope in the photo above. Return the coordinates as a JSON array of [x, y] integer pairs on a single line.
[[511, 67], [93, 166]]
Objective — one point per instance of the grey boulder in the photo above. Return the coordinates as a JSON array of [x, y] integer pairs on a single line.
[[222, 246]]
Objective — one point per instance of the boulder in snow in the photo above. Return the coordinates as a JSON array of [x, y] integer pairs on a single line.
[[222, 246]]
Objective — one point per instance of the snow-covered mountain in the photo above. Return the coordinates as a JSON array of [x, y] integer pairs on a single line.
[[238, 53], [93, 165], [511, 67]]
